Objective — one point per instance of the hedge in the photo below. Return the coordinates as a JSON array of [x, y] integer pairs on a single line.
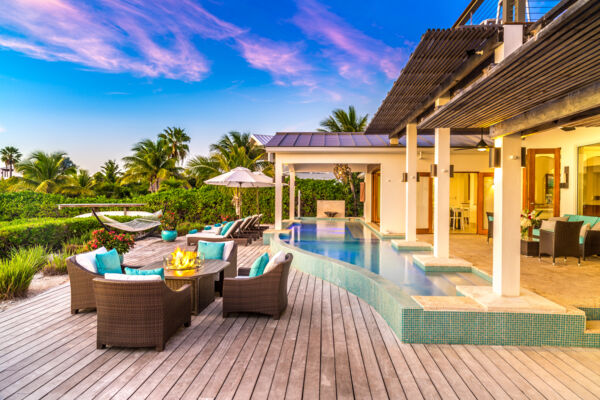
[[206, 204]]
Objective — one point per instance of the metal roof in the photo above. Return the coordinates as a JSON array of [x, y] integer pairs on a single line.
[[262, 139], [327, 139], [348, 139], [438, 55], [564, 56]]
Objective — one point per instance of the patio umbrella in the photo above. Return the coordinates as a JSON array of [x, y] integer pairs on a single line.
[[239, 178]]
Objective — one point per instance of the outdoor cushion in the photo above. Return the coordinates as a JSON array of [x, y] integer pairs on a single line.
[[157, 271], [88, 260], [548, 225], [211, 250], [217, 225], [259, 265], [596, 227], [207, 228], [108, 262], [583, 230], [565, 218], [278, 258], [226, 228], [585, 218], [132, 278], [227, 249], [193, 231]]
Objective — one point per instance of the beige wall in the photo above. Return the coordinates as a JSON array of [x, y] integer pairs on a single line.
[[392, 163], [338, 206], [568, 143]]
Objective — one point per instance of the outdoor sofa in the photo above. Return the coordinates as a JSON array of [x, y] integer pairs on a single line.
[[589, 242], [139, 313]]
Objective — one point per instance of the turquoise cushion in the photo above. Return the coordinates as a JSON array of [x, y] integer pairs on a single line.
[[109, 263], [585, 218], [207, 228], [211, 250], [580, 239], [217, 225], [193, 231], [157, 271], [536, 232], [259, 265], [226, 228]]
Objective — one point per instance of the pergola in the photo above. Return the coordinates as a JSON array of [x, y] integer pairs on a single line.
[[516, 79]]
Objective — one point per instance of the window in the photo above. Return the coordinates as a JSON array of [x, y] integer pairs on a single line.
[[588, 180]]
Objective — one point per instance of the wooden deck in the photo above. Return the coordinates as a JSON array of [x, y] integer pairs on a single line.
[[327, 344]]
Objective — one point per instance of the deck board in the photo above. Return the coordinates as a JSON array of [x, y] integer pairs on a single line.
[[327, 344]]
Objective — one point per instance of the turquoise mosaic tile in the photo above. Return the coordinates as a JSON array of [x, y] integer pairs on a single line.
[[412, 324], [591, 313]]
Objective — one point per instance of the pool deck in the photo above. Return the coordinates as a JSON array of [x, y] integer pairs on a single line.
[[566, 283], [327, 344]]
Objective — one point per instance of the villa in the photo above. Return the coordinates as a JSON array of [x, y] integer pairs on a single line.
[[439, 289]]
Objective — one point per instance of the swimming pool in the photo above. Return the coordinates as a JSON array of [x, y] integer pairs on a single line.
[[354, 243]]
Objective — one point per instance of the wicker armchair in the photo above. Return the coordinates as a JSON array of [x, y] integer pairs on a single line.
[[82, 291], [562, 242], [264, 294], [591, 244], [139, 314]]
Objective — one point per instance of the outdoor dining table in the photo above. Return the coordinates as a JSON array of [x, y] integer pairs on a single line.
[[202, 281]]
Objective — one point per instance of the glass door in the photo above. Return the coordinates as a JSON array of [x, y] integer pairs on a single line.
[[485, 200], [588, 180]]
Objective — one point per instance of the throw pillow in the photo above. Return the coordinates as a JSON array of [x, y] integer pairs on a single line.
[[259, 265], [88, 260], [211, 250], [207, 228], [226, 228], [157, 271], [124, 277], [193, 231], [109, 262], [548, 225], [558, 219], [227, 249], [583, 230], [278, 258]]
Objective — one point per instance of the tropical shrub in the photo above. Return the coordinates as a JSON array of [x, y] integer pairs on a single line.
[[57, 264], [122, 242], [168, 221], [18, 270]]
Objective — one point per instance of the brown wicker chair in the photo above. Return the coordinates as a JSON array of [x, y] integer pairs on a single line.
[[82, 291], [591, 244], [562, 242], [264, 294], [139, 314]]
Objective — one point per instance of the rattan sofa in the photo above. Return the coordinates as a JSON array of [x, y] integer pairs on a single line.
[[82, 291], [264, 294], [139, 313]]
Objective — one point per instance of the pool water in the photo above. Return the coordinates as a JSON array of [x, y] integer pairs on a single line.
[[356, 244]]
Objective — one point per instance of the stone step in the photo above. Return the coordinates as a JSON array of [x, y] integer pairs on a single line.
[[592, 326], [476, 280]]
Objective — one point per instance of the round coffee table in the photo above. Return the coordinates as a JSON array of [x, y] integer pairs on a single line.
[[202, 281]]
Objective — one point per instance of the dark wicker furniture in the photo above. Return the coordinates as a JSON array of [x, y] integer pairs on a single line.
[[562, 242], [139, 314], [591, 243], [202, 282], [264, 294], [490, 221], [530, 247]]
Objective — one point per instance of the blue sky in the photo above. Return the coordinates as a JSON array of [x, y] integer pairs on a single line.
[[93, 77]]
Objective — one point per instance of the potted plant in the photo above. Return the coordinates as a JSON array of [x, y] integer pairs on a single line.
[[121, 242], [169, 226], [529, 220]]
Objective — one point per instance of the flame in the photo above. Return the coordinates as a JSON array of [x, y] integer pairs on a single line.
[[183, 259]]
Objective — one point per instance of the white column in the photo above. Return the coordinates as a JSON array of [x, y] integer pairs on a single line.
[[278, 193], [507, 212], [292, 192], [410, 217], [441, 212]]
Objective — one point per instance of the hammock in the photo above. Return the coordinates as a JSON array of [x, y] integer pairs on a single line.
[[141, 227]]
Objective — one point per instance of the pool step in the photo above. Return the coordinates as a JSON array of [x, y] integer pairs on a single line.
[[592, 326], [475, 280], [457, 279]]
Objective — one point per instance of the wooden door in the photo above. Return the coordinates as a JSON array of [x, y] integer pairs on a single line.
[[485, 200], [541, 188], [425, 203], [375, 196]]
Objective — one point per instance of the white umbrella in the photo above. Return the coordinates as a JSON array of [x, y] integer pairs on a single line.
[[239, 178]]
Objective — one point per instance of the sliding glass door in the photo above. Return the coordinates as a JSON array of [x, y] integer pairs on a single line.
[[588, 180]]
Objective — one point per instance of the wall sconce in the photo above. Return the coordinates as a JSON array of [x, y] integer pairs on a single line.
[[404, 177], [433, 170], [564, 179], [418, 177], [495, 156]]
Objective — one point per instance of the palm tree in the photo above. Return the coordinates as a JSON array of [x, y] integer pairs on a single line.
[[45, 172], [233, 150], [10, 156], [176, 139], [151, 162], [342, 121], [110, 172], [78, 184]]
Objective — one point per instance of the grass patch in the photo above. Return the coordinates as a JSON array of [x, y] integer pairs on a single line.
[[18, 270]]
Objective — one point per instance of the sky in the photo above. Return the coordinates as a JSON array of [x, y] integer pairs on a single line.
[[93, 77]]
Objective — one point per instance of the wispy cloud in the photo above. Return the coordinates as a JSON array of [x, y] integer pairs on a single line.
[[354, 53]]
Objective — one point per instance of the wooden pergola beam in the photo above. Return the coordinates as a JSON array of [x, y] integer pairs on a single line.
[[463, 71], [547, 114]]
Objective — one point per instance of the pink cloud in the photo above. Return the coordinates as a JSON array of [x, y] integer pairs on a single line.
[[354, 53]]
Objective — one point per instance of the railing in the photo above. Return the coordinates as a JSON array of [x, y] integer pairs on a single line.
[[490, 11]]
